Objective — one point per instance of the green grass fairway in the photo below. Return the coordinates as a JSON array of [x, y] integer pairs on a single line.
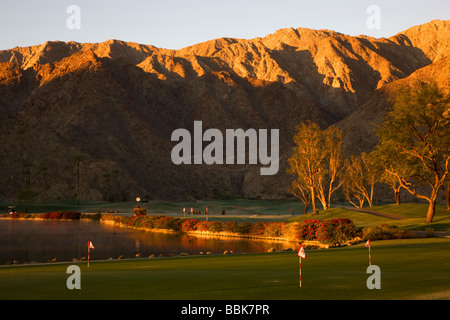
[[414, 216], [231, 207], [416, 213], [410, 269]]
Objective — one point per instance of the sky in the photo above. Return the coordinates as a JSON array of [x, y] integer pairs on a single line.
[[174, 24]]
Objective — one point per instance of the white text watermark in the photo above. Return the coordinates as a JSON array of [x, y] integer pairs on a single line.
[[190, 149], [74, 19], [374, 20]]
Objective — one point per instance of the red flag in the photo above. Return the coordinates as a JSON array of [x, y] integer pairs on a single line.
[[90, 245], [301, 252], [367, 243]]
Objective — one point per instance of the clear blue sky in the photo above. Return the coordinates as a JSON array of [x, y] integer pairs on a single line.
[[174, 24]]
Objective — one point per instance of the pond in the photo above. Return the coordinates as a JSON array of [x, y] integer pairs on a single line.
[[25, 241]]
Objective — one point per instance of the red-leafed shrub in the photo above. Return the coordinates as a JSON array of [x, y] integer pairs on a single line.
[[19, 215], [308, 229], [189, 225], [258, 228], [215, 226], [167, 223], [332, 231], [229, 226], [61, 215], [71, 215]]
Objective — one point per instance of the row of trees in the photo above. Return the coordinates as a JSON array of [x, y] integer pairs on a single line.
[[412, 153]]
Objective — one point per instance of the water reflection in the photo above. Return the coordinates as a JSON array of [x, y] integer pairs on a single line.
[[43, 241]]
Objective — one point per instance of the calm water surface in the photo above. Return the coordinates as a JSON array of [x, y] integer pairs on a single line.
[[42, 241]]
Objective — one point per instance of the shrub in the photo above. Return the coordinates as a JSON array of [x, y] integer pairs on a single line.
[[95, 216], [163, 222], [291, 230], [202, 226], [230, 226], [258, 228], [244, 228], [137, 221], [334, 231], [429, 233], [307, 230], [384, 232], [189, 225], [19, 215], [174, 224], [139, 211], [112, 217], [274, 229], [215, 226], [61, 215], [71, 215], [51, 215]]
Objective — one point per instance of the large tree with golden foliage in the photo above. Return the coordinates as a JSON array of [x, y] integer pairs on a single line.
[[415, 135], [316, 164]]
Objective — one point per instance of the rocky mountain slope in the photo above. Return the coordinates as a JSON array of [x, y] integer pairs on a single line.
[[116, 104]]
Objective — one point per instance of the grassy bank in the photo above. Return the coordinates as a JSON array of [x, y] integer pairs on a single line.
[[413, 213], [410, 269]]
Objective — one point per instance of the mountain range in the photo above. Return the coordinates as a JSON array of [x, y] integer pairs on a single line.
[[114, 105]]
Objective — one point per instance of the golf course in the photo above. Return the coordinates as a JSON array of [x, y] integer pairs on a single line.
[[412, 268]]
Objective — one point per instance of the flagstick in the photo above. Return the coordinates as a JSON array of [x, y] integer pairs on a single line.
[[370, 258], [88, 255], [300, 272]]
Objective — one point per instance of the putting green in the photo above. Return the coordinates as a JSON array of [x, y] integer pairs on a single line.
[[410, 269]]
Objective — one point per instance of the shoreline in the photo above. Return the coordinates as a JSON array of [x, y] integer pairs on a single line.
[[310, 244], [221, 234]]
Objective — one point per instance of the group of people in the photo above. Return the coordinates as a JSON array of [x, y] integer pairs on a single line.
[[197, 212]]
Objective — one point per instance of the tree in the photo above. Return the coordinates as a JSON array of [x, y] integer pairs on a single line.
[[361, 175], [301, 190], [373, 174], [316, 164], [388, 162], [392, 181], [307, 159], [332, 166], [354, 184], [417, 130]]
